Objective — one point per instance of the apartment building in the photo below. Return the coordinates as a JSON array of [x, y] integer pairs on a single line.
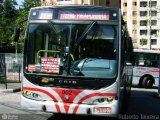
[[113, 3], [142, 18]]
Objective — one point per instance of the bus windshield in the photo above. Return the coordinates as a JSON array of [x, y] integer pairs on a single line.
[[65, 49]]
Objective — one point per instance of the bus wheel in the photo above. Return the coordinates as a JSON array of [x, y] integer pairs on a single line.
[[147, 82]]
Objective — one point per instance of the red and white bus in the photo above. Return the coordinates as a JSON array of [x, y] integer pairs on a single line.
[[146, 68], [76, 60]]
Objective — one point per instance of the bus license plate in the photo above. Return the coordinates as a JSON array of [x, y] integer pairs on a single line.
[[102, 109]]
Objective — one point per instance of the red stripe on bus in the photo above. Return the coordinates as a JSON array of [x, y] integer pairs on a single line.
[[67, 96], [92, 95], [155, 70], [67, 106], [45, 92]]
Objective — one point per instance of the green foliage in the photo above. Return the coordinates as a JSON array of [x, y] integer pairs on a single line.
[[9, 9], [11, 17], [143, 41], [27, 4], [7, 21]]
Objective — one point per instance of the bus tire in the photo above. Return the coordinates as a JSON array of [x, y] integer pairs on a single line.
[[147, 82]]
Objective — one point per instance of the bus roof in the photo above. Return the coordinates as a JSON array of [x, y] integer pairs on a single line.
[[147, 51], [77, 6]]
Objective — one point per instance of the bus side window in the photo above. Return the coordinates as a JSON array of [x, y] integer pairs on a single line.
[[154, 64]]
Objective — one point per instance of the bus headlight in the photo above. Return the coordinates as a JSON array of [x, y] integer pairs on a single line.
[[109, 99], [31, 95], [102, 100]]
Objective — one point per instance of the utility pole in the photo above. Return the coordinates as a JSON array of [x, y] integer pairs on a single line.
[[150, 25]]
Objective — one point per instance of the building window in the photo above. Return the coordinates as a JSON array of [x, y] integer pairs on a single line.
[[153, 13], [153, 22], [134, 3], [124, 13], [153, 3], [143, 4], [134, 22], [153, 32], [143, 13], [143, 32], [125, 4], [134, 13], [143, 23], [153, 41], [143, 41]]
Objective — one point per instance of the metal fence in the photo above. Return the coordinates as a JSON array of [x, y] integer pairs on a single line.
[[13, 65], [3, 70]]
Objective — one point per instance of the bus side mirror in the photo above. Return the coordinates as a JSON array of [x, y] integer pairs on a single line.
[[16, 33]]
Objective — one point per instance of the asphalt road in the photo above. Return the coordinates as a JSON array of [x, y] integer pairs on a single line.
[[142, 101], [142, 105], [10, 109]]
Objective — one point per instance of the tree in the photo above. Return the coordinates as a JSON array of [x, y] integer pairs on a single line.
[[7, 21], [27, 4], [12, 17]]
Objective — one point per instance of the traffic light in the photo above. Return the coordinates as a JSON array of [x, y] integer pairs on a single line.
[[16, 33]]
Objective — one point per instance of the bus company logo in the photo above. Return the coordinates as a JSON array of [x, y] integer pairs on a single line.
[[66, 97], [4, 116]]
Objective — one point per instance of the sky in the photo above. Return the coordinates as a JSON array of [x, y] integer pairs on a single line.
[[19, 2]]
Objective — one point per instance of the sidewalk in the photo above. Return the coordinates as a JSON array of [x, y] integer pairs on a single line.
[[11, 87]]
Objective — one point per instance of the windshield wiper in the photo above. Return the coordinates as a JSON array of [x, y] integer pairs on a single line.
[[85, 32], [52, 25]]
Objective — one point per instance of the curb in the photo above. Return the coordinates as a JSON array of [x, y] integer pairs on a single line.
[[10, 90], [6, 90]]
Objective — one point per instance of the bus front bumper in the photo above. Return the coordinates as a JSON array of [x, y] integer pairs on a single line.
[[111, 109]]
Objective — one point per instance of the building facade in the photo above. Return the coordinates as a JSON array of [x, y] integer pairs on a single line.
[[142, 18], [113, 3]]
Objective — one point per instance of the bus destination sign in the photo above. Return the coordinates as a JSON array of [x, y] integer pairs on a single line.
[[84, 15]]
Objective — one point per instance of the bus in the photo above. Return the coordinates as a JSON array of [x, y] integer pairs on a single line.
[[77, 60], [146, 68]]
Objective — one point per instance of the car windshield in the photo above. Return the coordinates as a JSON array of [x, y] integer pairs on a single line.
[[85, 50]]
